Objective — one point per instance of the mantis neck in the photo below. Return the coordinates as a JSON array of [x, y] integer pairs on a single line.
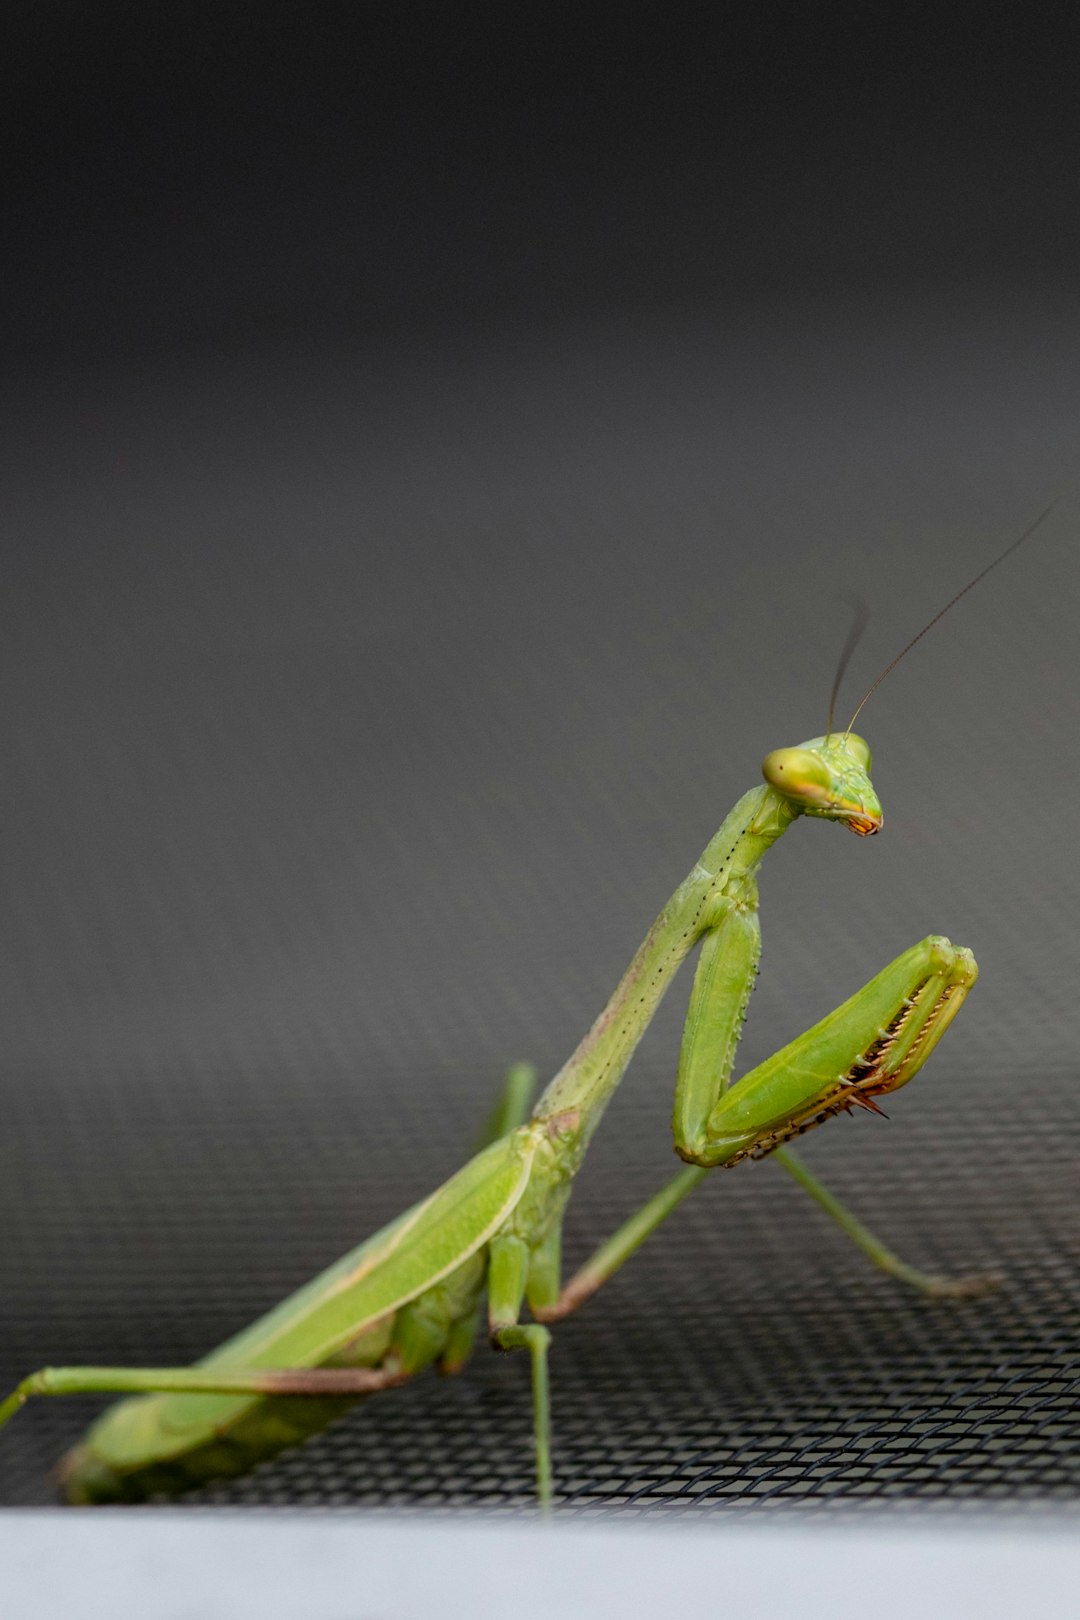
[[585, 1083]]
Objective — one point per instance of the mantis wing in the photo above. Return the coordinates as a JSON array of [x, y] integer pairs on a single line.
[[397, 1264]]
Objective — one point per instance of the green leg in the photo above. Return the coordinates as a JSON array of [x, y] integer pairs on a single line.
[[535, 1340], [319, 1381], [874, 1249], [415, 1346], [512, 1108], [551, 1304], [513, 1270], [554, 1303], [459, 1344], [507, 1273], [872, 1044]]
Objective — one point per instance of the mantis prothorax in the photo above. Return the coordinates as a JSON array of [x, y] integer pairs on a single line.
[[411, 1296]]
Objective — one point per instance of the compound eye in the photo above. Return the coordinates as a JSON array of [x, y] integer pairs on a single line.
[[798, 774], [860, 749]]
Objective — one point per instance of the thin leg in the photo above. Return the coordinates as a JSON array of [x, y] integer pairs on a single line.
[[643, 1223], [618, 1248], [535, 1340], [507, 1272], [322, 1381], [459, 1343], [874, 1249], [512, 1108]]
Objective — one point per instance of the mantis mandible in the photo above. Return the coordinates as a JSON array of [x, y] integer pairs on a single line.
[[411, 1296]]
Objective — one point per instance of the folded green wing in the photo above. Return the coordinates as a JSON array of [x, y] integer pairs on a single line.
[[398, 1263]]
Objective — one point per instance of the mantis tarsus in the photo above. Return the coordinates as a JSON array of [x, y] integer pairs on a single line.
[[411, 1296]]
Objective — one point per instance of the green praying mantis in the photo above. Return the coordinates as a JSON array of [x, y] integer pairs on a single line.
[[412, 1296]]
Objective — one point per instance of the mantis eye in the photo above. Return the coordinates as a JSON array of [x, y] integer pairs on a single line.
[[798, 774], [859, 748]]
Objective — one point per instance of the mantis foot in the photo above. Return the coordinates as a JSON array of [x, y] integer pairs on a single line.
[[980, 1282]]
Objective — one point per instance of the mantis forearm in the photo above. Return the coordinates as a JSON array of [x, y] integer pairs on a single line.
[[724, 979]]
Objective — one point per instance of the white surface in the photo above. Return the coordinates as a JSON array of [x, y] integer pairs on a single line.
[[103, 1565]]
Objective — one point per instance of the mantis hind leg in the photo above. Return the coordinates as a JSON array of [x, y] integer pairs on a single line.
[[139, 1449], [313, 1381], [439, 1325]]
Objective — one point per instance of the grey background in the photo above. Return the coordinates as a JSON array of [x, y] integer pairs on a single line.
[[378, 653]]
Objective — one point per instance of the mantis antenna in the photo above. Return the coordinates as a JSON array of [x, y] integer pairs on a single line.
[[860, 615], [940, 614]]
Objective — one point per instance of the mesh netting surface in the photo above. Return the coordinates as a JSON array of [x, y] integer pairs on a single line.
[[352, 740], [747, 1356]]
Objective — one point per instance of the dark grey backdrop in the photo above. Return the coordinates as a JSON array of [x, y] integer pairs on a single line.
[[413, 542]]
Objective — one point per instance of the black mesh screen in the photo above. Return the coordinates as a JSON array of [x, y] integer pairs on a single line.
[[352, 738], [746, 1356]]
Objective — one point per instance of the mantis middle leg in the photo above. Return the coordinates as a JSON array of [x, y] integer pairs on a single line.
[[508, 1272], [511, 1110], [551, 1304]]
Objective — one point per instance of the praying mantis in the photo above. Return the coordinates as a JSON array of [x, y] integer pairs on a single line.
[[412, 1296]]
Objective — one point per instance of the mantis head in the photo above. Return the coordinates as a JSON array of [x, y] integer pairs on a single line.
[[828, 776]]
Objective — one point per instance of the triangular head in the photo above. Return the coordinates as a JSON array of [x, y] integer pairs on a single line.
[[828, 776]]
